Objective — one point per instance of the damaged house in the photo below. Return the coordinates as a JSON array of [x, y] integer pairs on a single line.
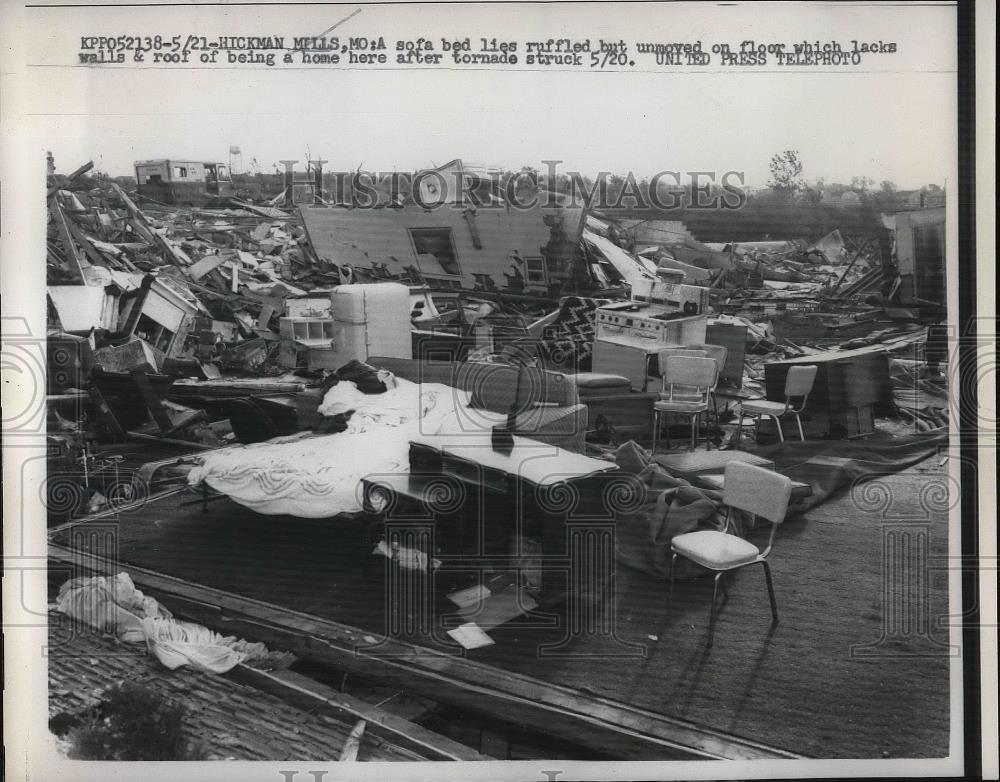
[[545, 250]]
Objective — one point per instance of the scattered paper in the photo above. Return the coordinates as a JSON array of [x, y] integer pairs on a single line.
[[470, 596], [470, 636]]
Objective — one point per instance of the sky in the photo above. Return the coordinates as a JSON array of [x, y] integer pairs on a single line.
[[891, 118]]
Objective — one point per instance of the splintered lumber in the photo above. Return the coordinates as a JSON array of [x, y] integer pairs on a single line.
[[610, 727], [269, 212], [95, 258], [142, 226], [72, 177], [69, 245], [138, 220], [352, 745], [205, 265]]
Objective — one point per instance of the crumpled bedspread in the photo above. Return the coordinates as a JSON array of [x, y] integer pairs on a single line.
[[114, 605], [320, 476]]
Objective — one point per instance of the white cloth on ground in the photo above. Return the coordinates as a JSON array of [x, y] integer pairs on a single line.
[[114, 605]]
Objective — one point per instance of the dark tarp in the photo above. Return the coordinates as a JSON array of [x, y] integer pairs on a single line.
[[831, 467], [672, 506]]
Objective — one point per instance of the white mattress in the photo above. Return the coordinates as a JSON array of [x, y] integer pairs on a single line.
[[320, 476]]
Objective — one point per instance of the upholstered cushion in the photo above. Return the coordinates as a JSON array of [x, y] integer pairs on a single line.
[[597, 384], [715, 550], [601, 380], [679, 406], [763, 407]]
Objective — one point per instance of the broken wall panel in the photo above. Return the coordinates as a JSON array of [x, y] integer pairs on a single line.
[[83, 307], [530, 251], [920, 255]]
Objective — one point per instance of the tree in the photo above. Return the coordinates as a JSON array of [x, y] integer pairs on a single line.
[[786, 172], [861, 183]]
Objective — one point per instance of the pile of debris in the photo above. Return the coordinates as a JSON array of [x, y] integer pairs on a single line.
[[205, 327], [186, 282]]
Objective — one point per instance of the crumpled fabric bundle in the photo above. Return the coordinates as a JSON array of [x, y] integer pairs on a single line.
[[366, 377], [319, 477], [177, 643], [672, 507], [111, 605], [401, 403], [114, 605]]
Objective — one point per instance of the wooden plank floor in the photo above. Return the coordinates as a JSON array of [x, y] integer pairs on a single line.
[[229, 719], [802, 686]]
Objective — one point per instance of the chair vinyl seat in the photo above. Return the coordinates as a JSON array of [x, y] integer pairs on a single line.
[[680, 406], [763, 407], [715, 550]]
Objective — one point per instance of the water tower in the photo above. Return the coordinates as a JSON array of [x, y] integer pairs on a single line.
[[235, 159]]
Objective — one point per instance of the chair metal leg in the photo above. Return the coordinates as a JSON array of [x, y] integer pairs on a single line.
[[799, 422], [712, 614], [673, 567], [739, 428], [777, 423], [770, 592], [656, 428], [694, 431]]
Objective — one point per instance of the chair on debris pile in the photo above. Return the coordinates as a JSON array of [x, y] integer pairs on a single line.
[[749, 489], [798, 386], [687, 383]]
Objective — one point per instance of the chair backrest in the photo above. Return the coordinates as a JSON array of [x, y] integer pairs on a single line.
[[691, 373], [799, 381], [764, 493], [717, 352], [666, 353]]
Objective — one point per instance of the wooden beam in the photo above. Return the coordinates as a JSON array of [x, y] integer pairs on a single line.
[[601, 724], [308, 694], [349, 753], [153, 402], [95, 258], [390, 727], [72, 177], [67, 239]]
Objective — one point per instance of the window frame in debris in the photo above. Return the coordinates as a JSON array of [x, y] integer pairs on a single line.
[[536, 277], [446, 265], [159, 336]]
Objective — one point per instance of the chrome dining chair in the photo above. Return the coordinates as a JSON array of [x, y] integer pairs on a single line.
[[798, 386], [749, 489], [687, 383], [719, 353]]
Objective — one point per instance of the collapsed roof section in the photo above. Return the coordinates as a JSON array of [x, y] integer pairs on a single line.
[[535, 251]]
